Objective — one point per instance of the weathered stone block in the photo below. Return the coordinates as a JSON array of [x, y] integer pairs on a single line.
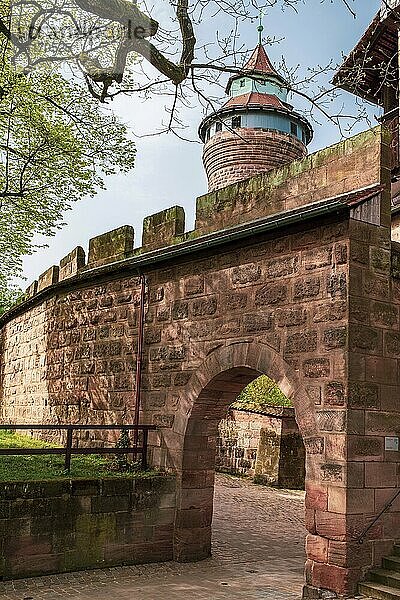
[[386, 423], [182, 378], [71, 264], [317, 259], [160, 229], [31, 290], [314, 445], [271, 295], [384, 314], [332, 473], [281, 267], [381, 370], [107, 348], [364, 339], [162, 420], [246, 274], [234, 301], [154, 400], [290, 317], [392, 343], [180, 310], [301, 342], [314, 393], [306, 288], [111, 246], [331, 420], [48, 278], [335, 337], [365, 448], [254, 323], [194, 285], [360, 310], [330, 311], [168, 353], [363, 395], [334, 394], [316, 548], [316, 367], [375, 287], [163, 314], [380, 260], [380, 475], [336, 285], [204, 307]]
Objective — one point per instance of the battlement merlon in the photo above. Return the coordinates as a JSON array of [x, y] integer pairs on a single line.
[[356, 164]]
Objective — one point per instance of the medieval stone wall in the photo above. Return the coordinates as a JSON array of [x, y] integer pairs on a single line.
[[70, 525], [267, 447], [24, 370], [272, 290], [313, 304]]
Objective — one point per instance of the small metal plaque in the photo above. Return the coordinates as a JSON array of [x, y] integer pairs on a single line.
[[392, 443]]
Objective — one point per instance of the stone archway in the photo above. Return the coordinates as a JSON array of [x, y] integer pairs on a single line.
[[223, 375]]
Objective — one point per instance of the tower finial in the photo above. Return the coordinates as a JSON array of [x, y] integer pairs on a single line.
[[260, 28]]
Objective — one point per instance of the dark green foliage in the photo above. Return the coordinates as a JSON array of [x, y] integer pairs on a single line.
[[8, 296], [121, 463], [260, 394]]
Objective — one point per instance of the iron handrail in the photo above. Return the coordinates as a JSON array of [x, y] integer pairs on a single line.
[[68, 450], [387, 506]]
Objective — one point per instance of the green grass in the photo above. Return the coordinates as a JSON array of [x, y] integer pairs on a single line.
[[28, 468]]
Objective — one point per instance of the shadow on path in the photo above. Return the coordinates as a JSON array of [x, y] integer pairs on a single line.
[[258, 553]]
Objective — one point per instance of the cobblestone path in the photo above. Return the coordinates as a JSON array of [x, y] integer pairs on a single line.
[[258, 553]]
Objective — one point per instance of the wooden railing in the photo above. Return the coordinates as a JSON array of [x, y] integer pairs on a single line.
[[69, 449]]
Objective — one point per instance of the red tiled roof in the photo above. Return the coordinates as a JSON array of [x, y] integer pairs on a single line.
[[254, 98], [260, 62]]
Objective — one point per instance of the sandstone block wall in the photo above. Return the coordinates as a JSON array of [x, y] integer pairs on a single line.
[[312, 304], [268, 448], [57, 526]]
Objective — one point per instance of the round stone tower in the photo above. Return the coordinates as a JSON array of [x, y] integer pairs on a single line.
[[256, 130]]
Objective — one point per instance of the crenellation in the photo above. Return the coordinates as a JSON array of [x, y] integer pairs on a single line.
[[48, 278], [72, 264], [111, 247], [161, 229], [31, 290], [262, 195]]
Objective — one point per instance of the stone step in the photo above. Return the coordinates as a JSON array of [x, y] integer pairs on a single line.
[[390, 578], [391, 563], [379, 591]]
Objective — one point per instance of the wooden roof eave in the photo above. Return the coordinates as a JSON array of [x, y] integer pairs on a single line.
[[379, 43]]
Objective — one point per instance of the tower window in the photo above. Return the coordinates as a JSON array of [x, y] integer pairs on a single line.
[[236, 122], [303, 137], [242, 82], [293, 128], [218, 126]]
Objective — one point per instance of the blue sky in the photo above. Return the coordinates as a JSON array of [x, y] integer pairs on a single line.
[[169, 171]]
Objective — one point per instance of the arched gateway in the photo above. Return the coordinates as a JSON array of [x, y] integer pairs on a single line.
[[291, 273], [212, 389]]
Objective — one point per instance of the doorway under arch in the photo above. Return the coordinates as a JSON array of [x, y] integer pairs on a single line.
[[225, 373]]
